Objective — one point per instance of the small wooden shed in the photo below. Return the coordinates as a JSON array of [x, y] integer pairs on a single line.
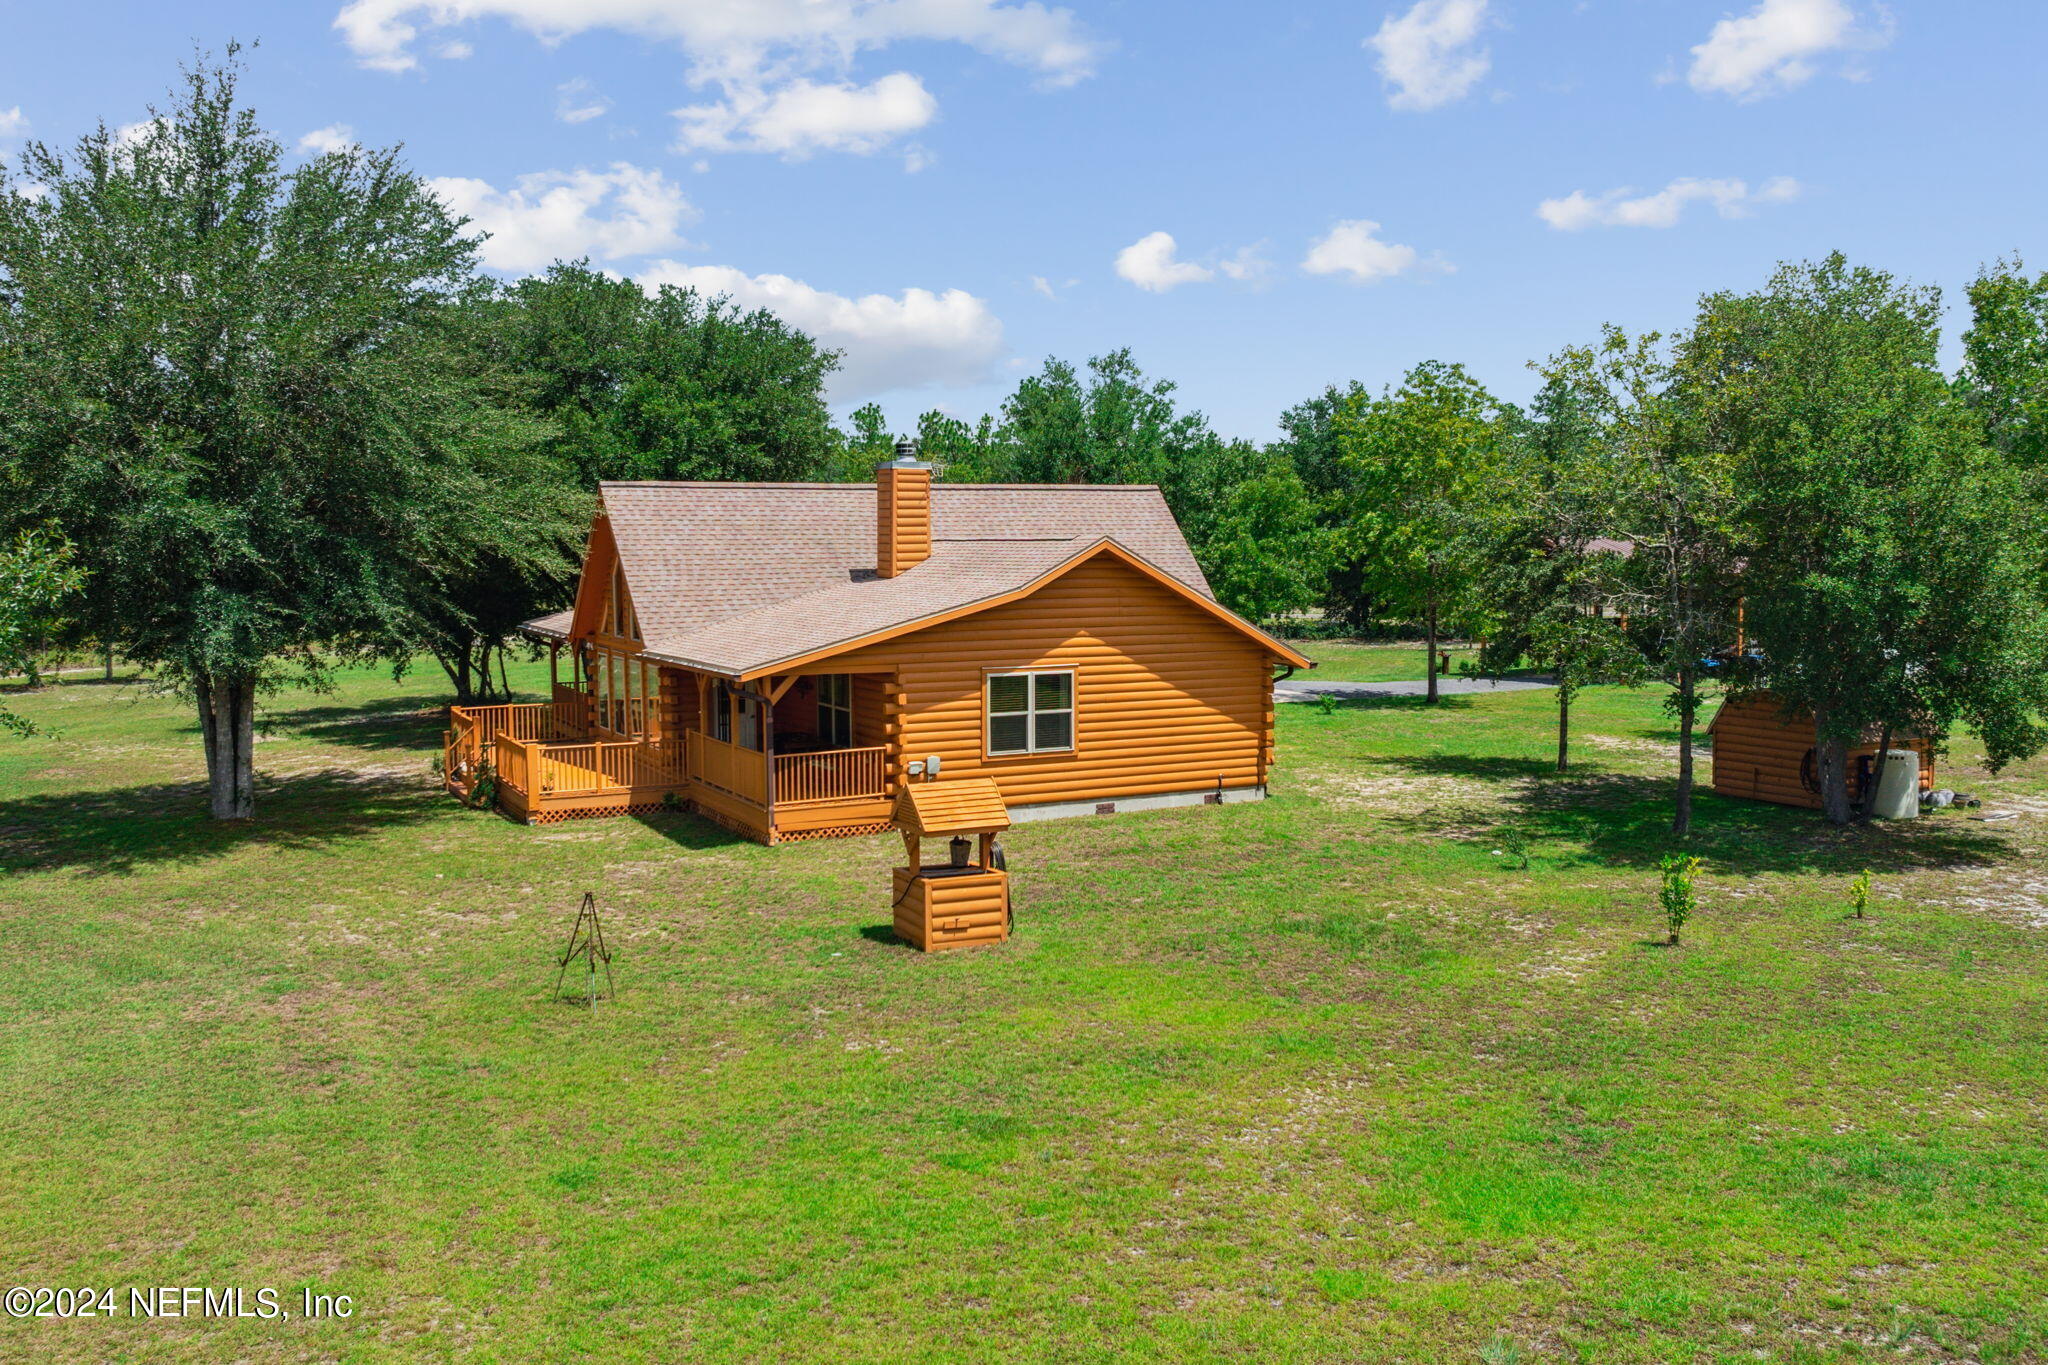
[[966, 899], [1764, 755]]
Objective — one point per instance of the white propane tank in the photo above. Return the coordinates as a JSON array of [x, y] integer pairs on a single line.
[[1898, 785]]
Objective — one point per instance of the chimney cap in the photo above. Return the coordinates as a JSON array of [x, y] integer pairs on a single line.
[[906, 458]]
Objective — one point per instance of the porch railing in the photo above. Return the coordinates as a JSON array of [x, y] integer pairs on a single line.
[[571, 709], [541, 769], [519, 720], [831, 775], [742, 772]]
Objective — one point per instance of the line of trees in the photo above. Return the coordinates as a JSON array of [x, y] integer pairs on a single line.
[[273, 419]]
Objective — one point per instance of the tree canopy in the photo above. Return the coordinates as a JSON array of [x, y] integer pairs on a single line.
[[242, 393], [1418, 462], [1888, 583]]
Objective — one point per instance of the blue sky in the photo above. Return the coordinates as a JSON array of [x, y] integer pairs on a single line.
[[952, 190]]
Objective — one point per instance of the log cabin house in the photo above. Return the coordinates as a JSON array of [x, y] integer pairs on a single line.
[[777, 657]]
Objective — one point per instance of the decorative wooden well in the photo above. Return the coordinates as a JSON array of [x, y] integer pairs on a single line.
[[964, 900]]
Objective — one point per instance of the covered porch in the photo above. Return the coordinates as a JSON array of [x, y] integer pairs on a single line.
[[801, 755]]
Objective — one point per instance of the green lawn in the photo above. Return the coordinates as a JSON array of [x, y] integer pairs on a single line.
[[1323, 1079], [1351, 661]]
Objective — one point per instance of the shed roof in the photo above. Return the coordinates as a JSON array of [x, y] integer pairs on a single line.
[[961, 805]]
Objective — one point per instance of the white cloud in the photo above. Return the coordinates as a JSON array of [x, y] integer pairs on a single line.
[[909, 340], [131, 134], [1773, 47], [1249, 263], [1044, 286], [13, 123], [1149, 263], [455, 52], [804, 116], [561, 215], [1429, 54], [1662, 209], [333, 138], [578, 102], [760, 55], [1353, 248]]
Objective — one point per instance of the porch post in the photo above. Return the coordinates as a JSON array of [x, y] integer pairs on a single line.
[[632, 709], [768, 754]]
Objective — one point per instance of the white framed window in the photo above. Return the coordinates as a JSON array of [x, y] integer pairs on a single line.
[[1030, 713], [835, 710]]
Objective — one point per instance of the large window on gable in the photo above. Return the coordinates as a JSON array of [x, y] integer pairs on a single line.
[[1030, 713]]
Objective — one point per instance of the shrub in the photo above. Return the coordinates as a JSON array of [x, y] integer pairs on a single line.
[[1515, 842], [1859, 893], [1677, 895], [483, 788]]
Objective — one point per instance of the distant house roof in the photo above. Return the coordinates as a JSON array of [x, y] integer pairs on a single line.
[[740, 578]]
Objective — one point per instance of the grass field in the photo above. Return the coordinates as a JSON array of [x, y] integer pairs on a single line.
[[1327, 1078], [1352, 661]]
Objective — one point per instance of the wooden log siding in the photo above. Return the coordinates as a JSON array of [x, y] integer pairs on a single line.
[[933, 914], [1167, 699], [1758, 754], [903, 518]]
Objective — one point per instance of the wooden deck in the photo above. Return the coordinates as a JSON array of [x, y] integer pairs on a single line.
[[550, 769]]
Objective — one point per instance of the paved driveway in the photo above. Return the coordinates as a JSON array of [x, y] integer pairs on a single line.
[[1307, 689]]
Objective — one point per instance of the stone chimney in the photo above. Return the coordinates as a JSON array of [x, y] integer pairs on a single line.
[[903, 512]]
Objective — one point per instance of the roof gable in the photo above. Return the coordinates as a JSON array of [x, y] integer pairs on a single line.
[[960, 581], [736, 578], [697, 553]]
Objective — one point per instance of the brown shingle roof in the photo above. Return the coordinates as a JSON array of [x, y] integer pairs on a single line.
[[696, 553], [958, 574], [734, 577]]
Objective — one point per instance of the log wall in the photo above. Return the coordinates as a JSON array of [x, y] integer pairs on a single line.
[[1167, 698], [1759, 753], [933, 913]]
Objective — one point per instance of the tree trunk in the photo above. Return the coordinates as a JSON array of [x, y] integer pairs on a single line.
[[1564, 726], [1831, 770], [227, 720], [461, 671], [1688, 703], [1432, 649]]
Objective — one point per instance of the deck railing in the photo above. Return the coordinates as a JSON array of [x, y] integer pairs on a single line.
[[540, 770], [519, 720], [571, 710], [541, 751], [831, 775], [742, 772]]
